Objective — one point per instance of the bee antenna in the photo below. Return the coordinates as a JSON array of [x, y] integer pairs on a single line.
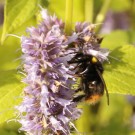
[[102, 79], [114, 58]]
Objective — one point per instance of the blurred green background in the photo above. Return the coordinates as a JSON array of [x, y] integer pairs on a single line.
[[118, 18]]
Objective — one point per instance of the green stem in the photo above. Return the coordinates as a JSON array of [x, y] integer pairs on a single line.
[[89, 10], [68, 17], [83, 124], [133, 14], [101, 15]]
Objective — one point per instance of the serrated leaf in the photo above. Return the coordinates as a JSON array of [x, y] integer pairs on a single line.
[[10, 128], [10, 85], [10, 54], [119, 74], [17, 12], [10, 89]]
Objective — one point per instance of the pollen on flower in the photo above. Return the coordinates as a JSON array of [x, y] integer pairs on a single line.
[[47, 106]]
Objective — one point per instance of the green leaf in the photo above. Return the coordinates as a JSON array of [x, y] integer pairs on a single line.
[[10, 84], [10, 89], [10, 128], [17, 12], [119, 74], [10, 54]]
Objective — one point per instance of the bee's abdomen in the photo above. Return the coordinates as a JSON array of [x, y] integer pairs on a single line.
[[92, 99]]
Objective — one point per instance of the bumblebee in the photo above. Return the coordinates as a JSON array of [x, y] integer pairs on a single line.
[[90, 70]]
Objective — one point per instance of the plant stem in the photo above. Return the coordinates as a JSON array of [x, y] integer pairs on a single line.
[[101, 15], [83, 124], [89, 10], [68, 17], [133, 14]]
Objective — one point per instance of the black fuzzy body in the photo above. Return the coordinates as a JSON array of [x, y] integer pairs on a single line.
[[92, 82]]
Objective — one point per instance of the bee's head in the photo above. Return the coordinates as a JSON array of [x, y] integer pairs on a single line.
[[95, 62]]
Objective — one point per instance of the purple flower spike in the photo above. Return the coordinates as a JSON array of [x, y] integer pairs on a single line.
[[47, 107], [85, 34]]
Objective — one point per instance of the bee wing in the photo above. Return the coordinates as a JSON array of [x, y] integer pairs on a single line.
[[102, 79]]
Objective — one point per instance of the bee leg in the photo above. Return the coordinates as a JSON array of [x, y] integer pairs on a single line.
[[62, 55], [75, 75], [75, 67], [77, 90], [77, 59], [102, 79], [78, 98], [81, 73], [84, 71]]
